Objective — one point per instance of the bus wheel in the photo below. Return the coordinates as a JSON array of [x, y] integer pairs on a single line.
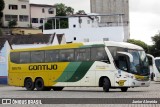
[[106, 85], [29, 85], [47, 88], [124, 89], [57, 88], [39, 85]]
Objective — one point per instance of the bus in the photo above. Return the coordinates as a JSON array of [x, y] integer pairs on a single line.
[[103, 64], [154, 67]]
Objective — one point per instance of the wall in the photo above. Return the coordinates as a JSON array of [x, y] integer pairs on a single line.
[[94, 34], [84, 24], [113, 7]]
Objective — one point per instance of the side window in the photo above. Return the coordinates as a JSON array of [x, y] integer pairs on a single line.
[[25, 57], [66, 55], [14, 57], [51, 56], [82, 54], [37, 56], [99, 54]]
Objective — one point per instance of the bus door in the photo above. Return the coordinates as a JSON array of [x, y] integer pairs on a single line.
[[122, 75]]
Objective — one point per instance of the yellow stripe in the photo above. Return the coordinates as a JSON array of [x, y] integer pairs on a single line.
[[66, 46]]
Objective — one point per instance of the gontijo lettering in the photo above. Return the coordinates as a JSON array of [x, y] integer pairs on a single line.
[[43, 67]]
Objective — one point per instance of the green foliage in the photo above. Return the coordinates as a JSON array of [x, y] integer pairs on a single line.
[[139, 43], [155, 48], [81, 12], [2, 4], [63, 10], [63, 24], [12, 23]]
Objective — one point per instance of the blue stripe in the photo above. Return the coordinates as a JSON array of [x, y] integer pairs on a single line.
[[3, 80]]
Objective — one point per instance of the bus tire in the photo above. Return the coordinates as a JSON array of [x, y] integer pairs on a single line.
[[57, 88], [39, 85], [47, 88], [29, 84], [106, 85], [124, 89]]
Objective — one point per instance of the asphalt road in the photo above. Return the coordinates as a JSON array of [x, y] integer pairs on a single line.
[[84, 92]]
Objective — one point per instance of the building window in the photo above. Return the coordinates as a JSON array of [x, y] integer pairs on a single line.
[[41, 20], [23, 18], [51, 11], [11, 17], [23, 6], [34, 20], [13, 7], [43, 11]]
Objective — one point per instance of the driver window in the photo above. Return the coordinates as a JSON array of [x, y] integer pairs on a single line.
[[122, 63]]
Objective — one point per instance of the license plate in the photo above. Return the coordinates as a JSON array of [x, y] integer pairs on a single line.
[[142, 83]]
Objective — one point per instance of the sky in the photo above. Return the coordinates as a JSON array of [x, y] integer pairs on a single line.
[[144, 16]]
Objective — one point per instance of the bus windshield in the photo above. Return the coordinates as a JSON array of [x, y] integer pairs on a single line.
[[157, 62], [139, 65]]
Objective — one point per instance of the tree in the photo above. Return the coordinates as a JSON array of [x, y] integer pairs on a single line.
[[81, 12], [2, 5], [12, 23], [155, 48], [139, 43], [63, 10]]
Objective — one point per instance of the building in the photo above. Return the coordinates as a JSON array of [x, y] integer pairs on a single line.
[[113, 7], [39, 12], [83, 28], [18, 10], [26, 15]]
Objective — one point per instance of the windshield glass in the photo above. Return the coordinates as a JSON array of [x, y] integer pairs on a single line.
[[157, 62], [139, 65]]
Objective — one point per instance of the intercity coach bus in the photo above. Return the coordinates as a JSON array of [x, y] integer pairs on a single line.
[[154, 67], [103, 64]]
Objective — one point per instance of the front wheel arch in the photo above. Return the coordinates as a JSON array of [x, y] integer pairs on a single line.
[[101, 81]]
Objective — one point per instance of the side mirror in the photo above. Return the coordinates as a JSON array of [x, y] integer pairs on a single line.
[[127, 54], [151, 59]]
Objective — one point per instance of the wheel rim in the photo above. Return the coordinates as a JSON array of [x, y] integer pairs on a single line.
[[29, 84]]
